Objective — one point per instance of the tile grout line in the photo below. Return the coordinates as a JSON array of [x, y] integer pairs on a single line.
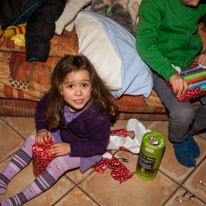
[[11, 155], [85, 191], [6, 158], [148, 124], [77, 185], [181, 184], [195, 195], [88, 195], [199, 135], [186, 176], [63, 195], [12, 128]]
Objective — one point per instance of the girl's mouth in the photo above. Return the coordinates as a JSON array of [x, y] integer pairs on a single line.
[[79, 101]]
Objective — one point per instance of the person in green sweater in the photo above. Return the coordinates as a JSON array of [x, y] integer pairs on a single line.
[[167, 37]]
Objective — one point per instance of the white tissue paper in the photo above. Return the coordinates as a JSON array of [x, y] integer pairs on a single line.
[[133, 145]]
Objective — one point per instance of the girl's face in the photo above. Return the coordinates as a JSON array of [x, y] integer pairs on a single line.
[[76, 90], [190, 2]]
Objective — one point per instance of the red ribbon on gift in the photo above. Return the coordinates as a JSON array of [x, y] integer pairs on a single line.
[[41, 158]]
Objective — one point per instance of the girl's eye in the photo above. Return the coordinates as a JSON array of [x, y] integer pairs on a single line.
[[70, 86], [85, 85]]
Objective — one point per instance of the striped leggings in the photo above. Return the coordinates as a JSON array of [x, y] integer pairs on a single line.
[[44, 181]]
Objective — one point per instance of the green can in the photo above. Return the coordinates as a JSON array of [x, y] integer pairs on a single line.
[[151, 151]]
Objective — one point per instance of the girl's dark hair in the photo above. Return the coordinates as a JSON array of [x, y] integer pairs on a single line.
[[100, 92]]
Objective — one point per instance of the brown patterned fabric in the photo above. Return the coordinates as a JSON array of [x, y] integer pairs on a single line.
[[24, 80], [26, 108], [28, 81], [17, 108]]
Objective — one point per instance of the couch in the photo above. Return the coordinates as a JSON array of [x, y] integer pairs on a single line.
[[23, 83]]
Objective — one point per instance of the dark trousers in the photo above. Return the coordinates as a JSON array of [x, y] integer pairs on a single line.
[[183, 118]]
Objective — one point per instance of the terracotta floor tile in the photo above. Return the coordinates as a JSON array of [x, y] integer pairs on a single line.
[[102, 189], [49, 197], [169, 164], [193, 182], [203, 135], [122, 124], [159, 126], [146, 123], [10, 142], [134, 191], [119, 124], [77, 176], [25, 126], [185, 200], [76, 198], [19, 183]]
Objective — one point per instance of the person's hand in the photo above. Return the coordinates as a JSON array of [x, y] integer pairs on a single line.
[[43, 136], [179, 84], [59, 149], [201, 59]]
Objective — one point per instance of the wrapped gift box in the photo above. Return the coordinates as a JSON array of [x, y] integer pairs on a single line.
[[196, 79], [41, 158]]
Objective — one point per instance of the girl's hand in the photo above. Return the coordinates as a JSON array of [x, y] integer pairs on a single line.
[[59, 149], [201, 59], [179, 84], [43, 136]]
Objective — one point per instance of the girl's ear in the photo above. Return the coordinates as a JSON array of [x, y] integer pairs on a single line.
[[61, 90]]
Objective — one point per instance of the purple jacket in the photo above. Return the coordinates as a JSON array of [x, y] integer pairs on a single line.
[[88, 134]]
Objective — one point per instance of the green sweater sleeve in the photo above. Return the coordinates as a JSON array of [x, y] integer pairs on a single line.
[[147, 35], [204, 20]]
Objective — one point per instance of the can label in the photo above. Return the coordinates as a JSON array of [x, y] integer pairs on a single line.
[[150, 155], [146, 162]]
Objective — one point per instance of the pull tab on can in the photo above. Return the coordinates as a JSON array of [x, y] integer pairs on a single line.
[[151, 151]]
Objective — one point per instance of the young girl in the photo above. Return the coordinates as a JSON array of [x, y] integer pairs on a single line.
[[76, 115]]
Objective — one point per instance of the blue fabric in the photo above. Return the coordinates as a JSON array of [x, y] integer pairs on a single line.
[[136, 75], [184, 154], [195, 150]]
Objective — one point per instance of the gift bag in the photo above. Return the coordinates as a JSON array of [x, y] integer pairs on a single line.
[[196, 79], [41, 158]]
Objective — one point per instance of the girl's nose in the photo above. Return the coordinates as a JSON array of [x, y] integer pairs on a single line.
[[78, 91]]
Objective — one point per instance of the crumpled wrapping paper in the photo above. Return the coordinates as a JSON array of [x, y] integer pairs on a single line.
[[196, 80], [118, 170], [121, 140], [132, 144]]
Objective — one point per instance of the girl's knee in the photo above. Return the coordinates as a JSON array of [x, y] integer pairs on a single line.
[[56, 167], [30, 140]]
